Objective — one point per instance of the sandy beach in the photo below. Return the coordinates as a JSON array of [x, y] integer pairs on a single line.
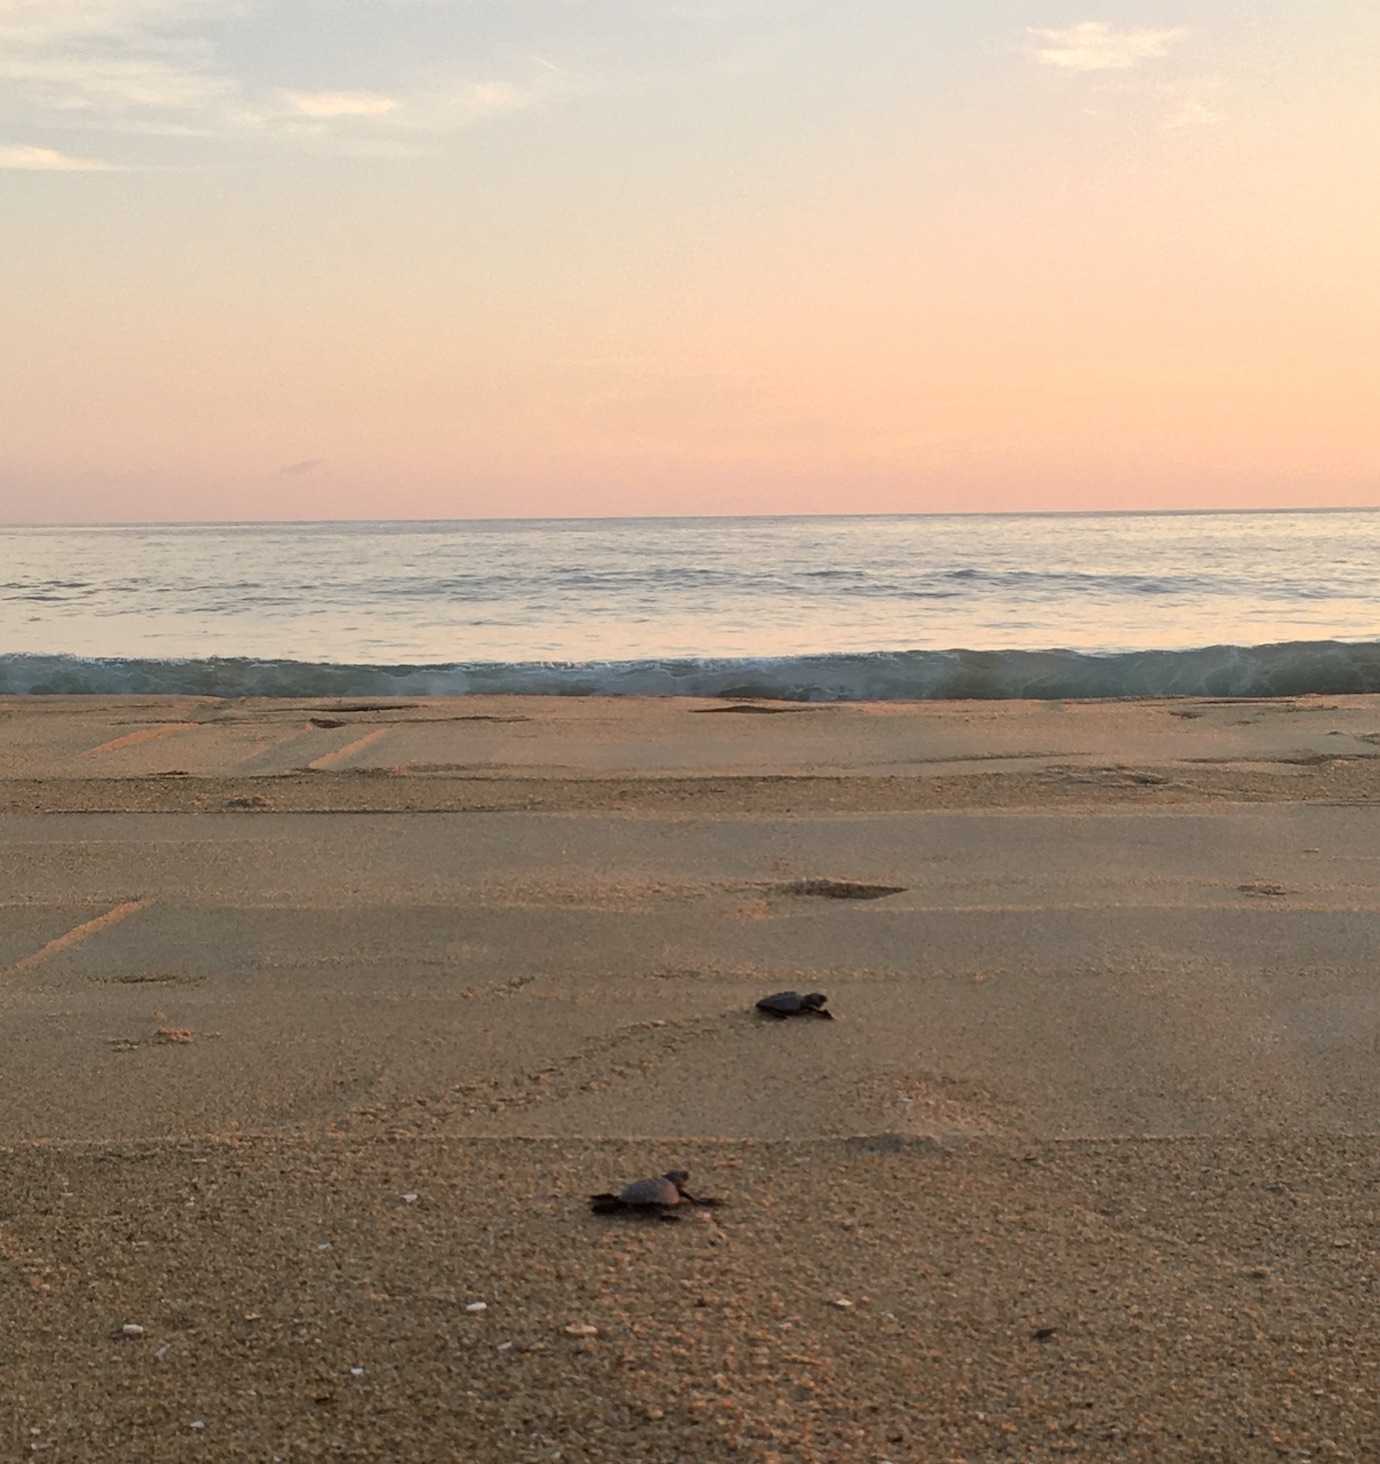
[[323, 1019]]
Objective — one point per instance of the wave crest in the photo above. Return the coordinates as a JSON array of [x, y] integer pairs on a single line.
[[1292, 669]]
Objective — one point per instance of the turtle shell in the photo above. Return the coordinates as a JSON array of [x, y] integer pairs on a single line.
[[664, 1190], [791, 1003], [787, 1003]]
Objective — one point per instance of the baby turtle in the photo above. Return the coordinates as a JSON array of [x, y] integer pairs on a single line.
[[650, 1197], [792, 1004]]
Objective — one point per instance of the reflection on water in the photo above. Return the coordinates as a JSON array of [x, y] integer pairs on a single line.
[[583, 590]]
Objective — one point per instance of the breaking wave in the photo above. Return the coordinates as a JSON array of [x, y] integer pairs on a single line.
[[1291, 669]]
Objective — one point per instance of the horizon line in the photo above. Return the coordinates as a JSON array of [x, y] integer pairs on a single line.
[[687, 517]]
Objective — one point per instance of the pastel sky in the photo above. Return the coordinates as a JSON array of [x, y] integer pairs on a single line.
[[445, 258]]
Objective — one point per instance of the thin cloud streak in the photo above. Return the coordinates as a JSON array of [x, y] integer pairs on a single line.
[[113, 84], [25, 159], [35, 24], [340, 104], [1096, 46], [374, 124]]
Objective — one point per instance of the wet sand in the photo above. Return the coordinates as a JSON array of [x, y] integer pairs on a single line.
[[317, 1035]]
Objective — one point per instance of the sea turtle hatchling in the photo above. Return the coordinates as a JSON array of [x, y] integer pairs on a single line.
[[656, 1197], [792, 1004]]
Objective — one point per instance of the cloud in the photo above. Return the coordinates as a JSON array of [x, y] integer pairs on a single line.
[[297, 470], [1096, 46], [340, 104], [112, 83], [107, 57], [18, 157], [159, 68], [38, 23], [332, 120]]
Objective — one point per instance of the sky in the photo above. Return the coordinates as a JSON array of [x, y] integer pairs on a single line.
[[311, 259]]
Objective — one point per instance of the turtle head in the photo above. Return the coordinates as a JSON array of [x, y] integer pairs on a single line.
[[814, 1000], [678, 1177]]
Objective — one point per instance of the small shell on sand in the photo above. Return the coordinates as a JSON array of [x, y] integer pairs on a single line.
[[582, 1329]]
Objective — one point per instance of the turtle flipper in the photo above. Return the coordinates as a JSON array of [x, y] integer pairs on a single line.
[[606, 1204], [704, 1204], [818, 1012]]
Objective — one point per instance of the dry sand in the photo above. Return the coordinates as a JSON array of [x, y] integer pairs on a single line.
[[316, 1036]]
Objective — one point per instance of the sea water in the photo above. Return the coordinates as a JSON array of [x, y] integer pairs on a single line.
[[1057, 605]]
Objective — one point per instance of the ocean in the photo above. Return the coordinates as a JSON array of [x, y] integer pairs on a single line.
[[806, 608]]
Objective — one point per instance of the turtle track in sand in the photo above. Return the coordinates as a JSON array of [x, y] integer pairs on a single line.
[[923, 1104], [588, 1068]]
